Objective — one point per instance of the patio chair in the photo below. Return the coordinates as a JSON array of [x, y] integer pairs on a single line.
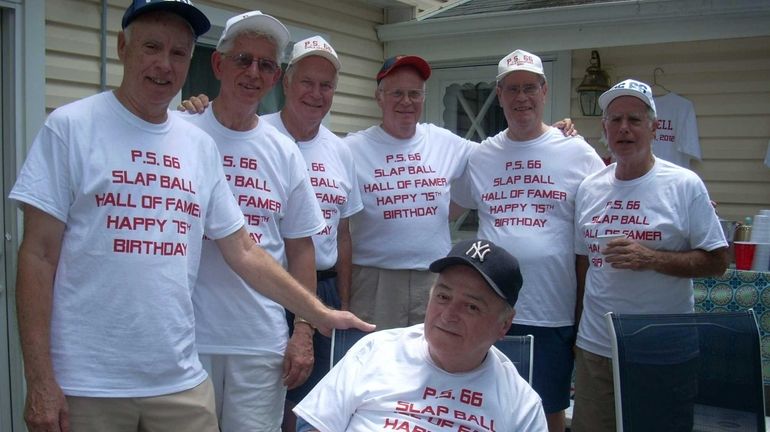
[[342, 340], [687, 372], [520, 350]]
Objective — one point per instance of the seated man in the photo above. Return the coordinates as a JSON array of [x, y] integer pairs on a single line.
[[443, 374]]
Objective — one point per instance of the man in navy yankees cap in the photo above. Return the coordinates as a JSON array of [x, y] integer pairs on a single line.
[[444, 372]]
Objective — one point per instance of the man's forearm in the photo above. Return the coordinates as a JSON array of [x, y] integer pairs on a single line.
[[300, 255], [344, 266], [265, 275], [691, 264], [34, 303]]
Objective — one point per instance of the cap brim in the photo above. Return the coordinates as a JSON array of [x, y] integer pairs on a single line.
[[197, 19], [442, 263], [522, 68], [320, 53], [264, 24]]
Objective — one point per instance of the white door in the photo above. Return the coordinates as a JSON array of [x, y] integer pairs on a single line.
[[463, 100]]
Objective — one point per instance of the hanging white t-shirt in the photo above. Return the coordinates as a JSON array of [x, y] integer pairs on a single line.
[[405, 190], [525, 195], [666, 209], [267, 175], [676, 138], [136, 198], [333, 177], [388, 381]]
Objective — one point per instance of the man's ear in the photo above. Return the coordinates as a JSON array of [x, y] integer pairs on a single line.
[[121, 46], [216, 64]]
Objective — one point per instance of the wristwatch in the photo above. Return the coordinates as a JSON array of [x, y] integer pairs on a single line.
[[298, 320]]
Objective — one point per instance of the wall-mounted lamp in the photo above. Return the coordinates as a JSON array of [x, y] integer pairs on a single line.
[[595, 82]]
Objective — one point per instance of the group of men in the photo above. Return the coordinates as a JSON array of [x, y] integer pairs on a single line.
[[151, 288]]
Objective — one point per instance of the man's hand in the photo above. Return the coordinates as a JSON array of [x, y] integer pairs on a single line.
[[567, 127], [298, 359], [46, 408], [341, 320], [626, 254], [194, 105]]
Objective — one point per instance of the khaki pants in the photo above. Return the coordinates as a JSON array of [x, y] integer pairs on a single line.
[[189, 410], [594, 393], [390, 298]]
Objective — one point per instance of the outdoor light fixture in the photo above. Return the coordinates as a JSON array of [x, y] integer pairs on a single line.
[[595, 82]]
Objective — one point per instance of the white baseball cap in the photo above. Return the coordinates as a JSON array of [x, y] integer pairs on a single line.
[[628, 87], [256, 21], [519, 60], [315, 45]]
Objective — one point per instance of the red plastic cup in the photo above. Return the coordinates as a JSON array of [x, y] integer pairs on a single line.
[[744, 255]]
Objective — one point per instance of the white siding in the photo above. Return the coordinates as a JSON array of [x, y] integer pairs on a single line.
[[728, 82], [73, 49]]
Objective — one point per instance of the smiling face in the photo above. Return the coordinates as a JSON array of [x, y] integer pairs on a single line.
[[245, 86], [629, 131], [522, 96], [309, 88], [155, 50], [463, 319], [400, 114]]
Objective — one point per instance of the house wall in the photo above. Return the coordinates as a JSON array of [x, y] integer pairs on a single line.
[[728, 82], [73, 49]]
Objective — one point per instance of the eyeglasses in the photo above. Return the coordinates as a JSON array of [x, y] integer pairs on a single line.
[[245, 60], [398, 94], [528, 89]]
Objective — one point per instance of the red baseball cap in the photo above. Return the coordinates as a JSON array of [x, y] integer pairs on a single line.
[[404, 60]]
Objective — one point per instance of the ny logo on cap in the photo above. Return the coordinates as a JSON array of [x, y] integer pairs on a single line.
[[478, 250]]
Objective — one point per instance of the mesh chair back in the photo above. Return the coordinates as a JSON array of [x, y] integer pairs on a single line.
[[687, 372], [342, 340], [520, 350]]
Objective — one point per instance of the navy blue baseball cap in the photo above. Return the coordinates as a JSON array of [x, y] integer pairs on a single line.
[[184, 8], [496, 265]]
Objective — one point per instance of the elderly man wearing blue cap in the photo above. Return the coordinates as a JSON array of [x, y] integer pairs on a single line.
[[117, 197], [668, 233], [443, 374]]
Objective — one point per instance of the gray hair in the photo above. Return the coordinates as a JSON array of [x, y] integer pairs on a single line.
[[542, 81], [651, 117], [128, 30], [227, 44], [288, 75]]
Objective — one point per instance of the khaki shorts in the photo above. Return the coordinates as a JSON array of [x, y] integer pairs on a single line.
[[390, 298], [248, 390], [189, 410], [594, 393]]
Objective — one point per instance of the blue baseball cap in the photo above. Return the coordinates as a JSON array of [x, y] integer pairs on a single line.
[[184, 8]]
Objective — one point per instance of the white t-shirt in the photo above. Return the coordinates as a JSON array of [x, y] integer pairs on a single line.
[[267, 175], [676, 139], [136, 199], [405, 190], [333, 177], [525, 195], [666, 209], [388, 381]]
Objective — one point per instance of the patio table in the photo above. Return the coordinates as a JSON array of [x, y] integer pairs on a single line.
[[739, 290]]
